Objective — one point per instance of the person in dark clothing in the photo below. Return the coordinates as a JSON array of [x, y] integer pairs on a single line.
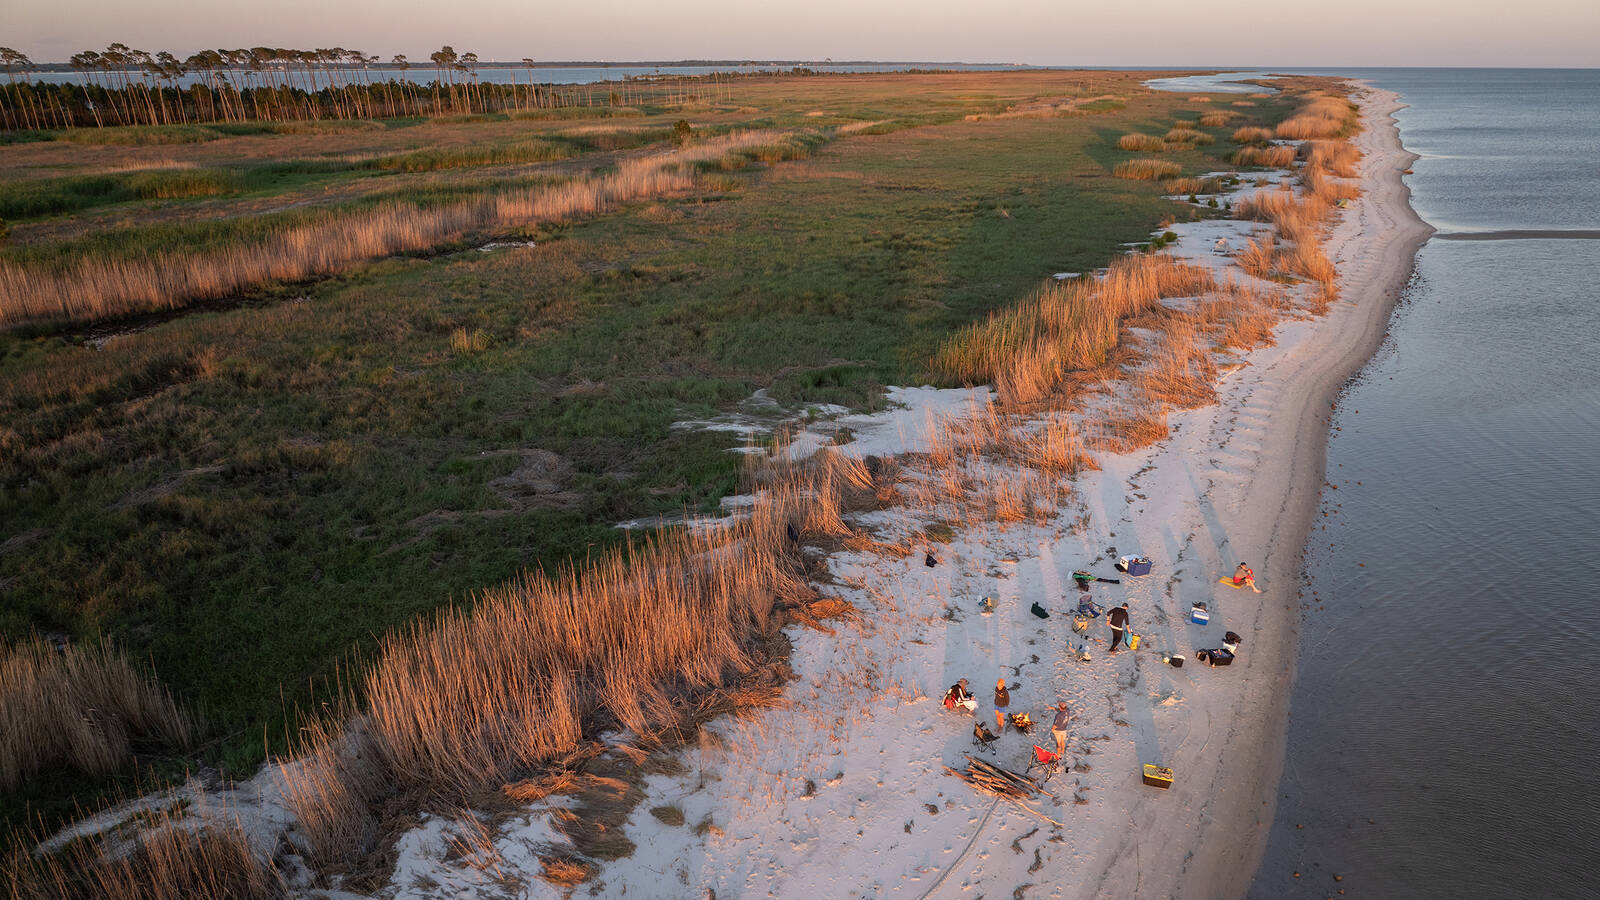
[[1002, 699], [1118, 620]]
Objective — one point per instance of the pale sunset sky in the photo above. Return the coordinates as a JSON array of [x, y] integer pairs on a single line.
[[1040, 32]]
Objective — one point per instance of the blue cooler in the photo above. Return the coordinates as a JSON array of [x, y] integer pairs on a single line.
[[1199, 614], [1138, 567]]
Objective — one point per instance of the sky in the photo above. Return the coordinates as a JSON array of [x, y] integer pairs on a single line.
[[1198, 33]]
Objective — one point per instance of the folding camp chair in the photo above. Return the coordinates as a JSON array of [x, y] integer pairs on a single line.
[[1048, 763], [983, 737]]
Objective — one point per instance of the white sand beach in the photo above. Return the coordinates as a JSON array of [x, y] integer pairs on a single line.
[[843, 791]]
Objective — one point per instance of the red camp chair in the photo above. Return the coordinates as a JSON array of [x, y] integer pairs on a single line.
[[1047, 762]]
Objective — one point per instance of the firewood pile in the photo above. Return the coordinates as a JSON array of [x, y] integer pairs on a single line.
[[991, 779]]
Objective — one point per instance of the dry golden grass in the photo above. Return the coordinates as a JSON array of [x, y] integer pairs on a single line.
[[1128, 429], [1188, 136], [1323, 189], [1217, 118], [1147, 169], [1257, 256], [1278, 156], [564, 871], [98, 286], [1141, 143], [1298, 219], [158, 855], [1306, 258], [1179, 371], [1244, 316], [1252, 135], [1332, 157], [80, 709], [1320, 117], [1027, 350], [454, 705]]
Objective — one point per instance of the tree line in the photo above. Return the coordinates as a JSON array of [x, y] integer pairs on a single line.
[[121, 85]]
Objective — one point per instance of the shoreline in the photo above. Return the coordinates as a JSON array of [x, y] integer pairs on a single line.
[[1375, 264]]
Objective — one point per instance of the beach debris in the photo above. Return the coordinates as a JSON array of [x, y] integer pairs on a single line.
[[986, 605], [1039, 611], [930, 560]]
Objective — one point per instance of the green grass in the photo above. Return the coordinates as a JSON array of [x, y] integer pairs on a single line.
[[246, 497], [53, 196]]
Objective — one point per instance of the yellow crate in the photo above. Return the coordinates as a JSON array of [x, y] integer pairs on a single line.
[[1158, 776]]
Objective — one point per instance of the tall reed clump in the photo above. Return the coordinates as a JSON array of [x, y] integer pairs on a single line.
[[1188, 136], [1321, 117], [1278, 156], [1146, 169], [1217, 118], [1252, 135], [1332, 157], [1026, 351], [1141, 143], [161, 854], [469, 700], [84, 709], [1299, 219], [100, 286]]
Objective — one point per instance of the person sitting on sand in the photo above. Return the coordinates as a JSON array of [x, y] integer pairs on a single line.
[[959, 697], [1118, 620], [1002, 699], [1245, 577], [1058, 728]]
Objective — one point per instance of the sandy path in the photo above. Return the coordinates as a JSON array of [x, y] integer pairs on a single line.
[[843, 793]]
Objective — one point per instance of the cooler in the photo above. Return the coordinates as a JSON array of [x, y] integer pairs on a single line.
[[1138, 566], [1199, 614], [1158, 776]]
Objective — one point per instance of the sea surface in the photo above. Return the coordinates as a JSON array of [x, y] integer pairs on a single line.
[[1445, 720]]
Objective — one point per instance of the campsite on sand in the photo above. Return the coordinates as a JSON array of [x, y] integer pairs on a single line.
[[742, 693]]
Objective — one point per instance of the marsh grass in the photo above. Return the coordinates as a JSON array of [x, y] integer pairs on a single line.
[[1319, 118], [637, 639], [160, 854], [92, 287], [1188, 136], [53, 196], [1141, 143], [1027, 350], [1276, 156], [86, 708], [1146, 169], [1252, 135]]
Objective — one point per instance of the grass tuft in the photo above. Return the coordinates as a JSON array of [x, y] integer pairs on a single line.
[[1147, 169]]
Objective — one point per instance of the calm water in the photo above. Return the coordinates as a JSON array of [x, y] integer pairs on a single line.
[[1443, 733]]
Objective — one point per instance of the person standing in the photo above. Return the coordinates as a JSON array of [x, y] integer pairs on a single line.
[[1002, 699], [1058, 729], [1118, 620]]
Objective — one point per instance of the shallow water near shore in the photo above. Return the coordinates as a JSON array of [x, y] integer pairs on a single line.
[[1442, 723]]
